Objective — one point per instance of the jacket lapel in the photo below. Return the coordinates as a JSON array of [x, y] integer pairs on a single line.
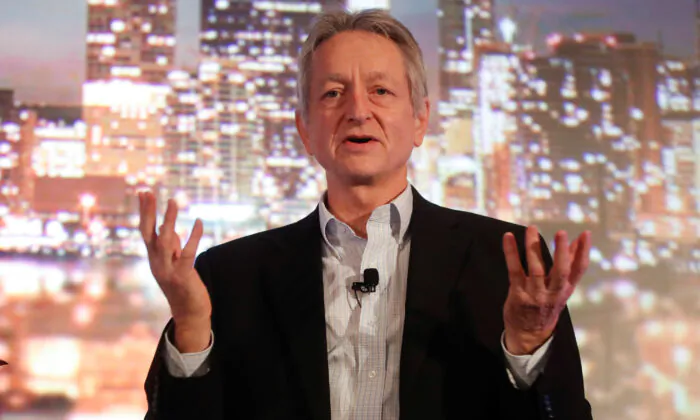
[[295, 287], [439, 251]]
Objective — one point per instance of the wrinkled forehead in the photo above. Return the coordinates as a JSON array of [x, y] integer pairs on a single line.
[[352, 56], [368, 77]]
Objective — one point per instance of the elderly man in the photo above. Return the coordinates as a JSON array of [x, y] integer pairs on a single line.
[[378, 304]]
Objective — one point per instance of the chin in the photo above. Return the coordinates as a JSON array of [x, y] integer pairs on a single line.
[[355, 177], [361, 178]]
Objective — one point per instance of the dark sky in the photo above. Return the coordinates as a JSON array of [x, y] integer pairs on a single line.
[[42, 41]]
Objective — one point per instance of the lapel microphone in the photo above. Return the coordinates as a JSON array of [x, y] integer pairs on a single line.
[[369, 284], [371, 280]]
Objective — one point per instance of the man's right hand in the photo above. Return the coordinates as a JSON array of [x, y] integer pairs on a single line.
[[173, 268]]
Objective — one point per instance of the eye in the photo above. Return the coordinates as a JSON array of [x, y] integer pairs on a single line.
[[382, 91], [331, 94]]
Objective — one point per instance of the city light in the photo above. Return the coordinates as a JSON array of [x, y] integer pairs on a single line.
[[356, 5], [508, 29]]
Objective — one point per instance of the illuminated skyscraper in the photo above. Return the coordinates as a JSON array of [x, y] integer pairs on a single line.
[[264, 38], [210, 135], [9, 151], [581, 151], [499, 149], [679, 102], [130, 39], [464, 27], [124, 130], [60, 150], [641, 62], [130, 50], [17, 142]]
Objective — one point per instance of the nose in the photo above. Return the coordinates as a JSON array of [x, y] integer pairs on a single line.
[[358, 107]]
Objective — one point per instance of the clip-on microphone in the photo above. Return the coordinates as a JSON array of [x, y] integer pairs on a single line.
[[369, 285]]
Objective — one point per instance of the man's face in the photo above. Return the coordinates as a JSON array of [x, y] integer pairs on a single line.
[[361, 125]]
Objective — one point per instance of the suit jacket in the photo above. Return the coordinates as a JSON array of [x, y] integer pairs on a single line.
[[269, 359]]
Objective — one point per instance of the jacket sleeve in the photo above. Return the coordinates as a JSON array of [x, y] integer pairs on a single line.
[[559, 389], [194, 397]]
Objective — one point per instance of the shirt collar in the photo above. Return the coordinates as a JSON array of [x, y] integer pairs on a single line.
[[400, 210]]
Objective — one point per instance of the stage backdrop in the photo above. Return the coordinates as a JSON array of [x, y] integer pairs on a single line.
[[564, 114]]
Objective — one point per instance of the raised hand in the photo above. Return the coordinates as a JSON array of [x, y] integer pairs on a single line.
[[173, 269], [535, 299]]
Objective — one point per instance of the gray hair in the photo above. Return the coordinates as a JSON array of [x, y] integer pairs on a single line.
[[375, 21]]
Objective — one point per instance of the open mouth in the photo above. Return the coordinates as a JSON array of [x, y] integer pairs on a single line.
[[359, 139]]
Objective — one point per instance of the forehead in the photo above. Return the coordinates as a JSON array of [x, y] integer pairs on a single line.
[[353, 53]]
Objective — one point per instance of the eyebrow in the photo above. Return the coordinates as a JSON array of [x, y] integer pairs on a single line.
[[373, 76]]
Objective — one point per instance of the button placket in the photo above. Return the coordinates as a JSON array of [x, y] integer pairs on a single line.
[[372, 325]]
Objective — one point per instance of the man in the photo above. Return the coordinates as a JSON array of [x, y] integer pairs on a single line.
[[378, 304]]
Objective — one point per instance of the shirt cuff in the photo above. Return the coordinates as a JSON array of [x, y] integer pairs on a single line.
[[186, 365], [523, 370]]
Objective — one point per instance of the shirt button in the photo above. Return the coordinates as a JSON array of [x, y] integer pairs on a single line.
[[372, 374]]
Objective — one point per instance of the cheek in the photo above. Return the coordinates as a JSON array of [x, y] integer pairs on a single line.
[[402, 129], [320, 139]]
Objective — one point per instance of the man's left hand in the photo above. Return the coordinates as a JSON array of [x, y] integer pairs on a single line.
[[536, 299]]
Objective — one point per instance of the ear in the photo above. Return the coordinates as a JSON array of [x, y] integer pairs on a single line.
[[421, 123], [303, 132]]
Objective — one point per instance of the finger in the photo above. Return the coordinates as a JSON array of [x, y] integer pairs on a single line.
[[167, 229], [147, 219], [535, 263], [168, 242], [516, 274], [170, 216], [559, 275], [190, 249], [581, 258]]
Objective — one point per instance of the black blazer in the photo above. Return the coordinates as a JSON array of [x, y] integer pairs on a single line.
[[269, 358]]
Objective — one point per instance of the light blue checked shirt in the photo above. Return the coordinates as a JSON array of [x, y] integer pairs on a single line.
[[364, 342]]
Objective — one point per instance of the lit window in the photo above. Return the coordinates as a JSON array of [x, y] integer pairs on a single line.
[[222, 4], [118, 26], [108, 51]]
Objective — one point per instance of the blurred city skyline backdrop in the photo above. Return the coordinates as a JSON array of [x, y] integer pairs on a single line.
[[43, 48], [563, 114]]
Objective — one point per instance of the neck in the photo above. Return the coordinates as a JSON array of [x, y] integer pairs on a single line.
[[353, 204]]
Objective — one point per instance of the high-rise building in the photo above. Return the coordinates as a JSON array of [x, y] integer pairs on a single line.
[[464, 26], [124, 130], [17, 142], [60, 150], [641, 63], [498, 146], [575, 126], [679, 102], [7, 97], [130, 39], [264, 38], [9, 152], [130, 51], [210, 138]]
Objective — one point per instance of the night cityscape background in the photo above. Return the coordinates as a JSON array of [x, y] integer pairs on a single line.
[[556, 113]]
